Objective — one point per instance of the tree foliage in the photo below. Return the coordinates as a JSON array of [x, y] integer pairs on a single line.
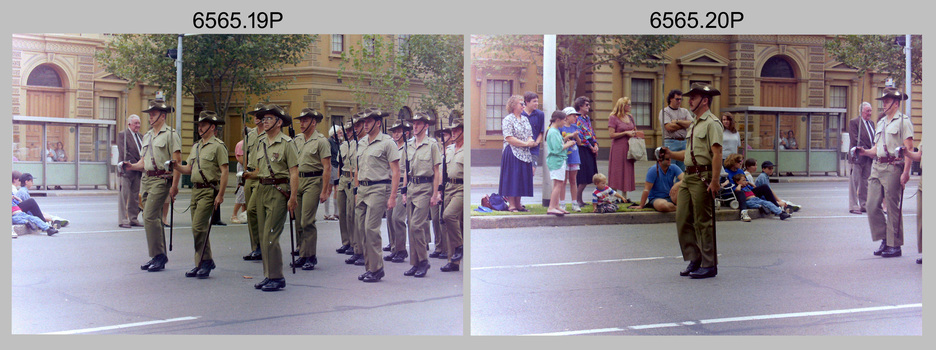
[[376, 75], [438, 60], [218, 66], [578, 54], [879, 54]]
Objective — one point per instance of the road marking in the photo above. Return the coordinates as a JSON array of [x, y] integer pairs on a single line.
[[128, 325], [126, 229], [840, 217], [738, 319], [573, 263]]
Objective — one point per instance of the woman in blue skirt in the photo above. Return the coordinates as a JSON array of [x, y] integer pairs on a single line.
[[516, 177]]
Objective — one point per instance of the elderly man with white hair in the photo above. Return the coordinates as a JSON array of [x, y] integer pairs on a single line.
[[129, 144]]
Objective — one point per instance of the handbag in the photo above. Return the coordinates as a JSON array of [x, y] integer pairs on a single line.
[[637, 149], [497, 202]]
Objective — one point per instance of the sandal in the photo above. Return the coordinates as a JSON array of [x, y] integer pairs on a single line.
[[512, 210], [555, 213]]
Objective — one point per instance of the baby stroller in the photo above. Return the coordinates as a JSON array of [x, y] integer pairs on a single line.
[[727, 194]]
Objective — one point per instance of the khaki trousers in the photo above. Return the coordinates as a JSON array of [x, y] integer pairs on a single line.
[[418, 198], [253, 225], [345, 220], [436, 218], [156, 190], [452, 217], [271, 216], [396, 225], [694, 221], [201, 210], [369, 211], [884, 188], [310, 191]]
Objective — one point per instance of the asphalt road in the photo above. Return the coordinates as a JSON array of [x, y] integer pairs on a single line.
[[813, 274], [87, 279]]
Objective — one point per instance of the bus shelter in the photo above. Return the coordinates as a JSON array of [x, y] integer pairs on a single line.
[[816, 132], [68, 152]]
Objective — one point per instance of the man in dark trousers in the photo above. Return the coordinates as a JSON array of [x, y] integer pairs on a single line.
[[129, 144], [860, 134]]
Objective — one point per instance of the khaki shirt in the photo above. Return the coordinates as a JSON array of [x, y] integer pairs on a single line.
[[704, 132], [311, 152], [346, 156], [157, 148], [212, 154], [668, 115], [887, 134], [423, 156], [455, 162], [250, 147], [375, 157], [282, 154]]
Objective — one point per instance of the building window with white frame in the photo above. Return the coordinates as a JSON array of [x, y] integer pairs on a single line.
[[642, 101], [498, 92], [337, 44]]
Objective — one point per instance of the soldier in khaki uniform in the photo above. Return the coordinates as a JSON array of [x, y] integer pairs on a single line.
[[208, 166], [443, 138], [396, 216], [160, 144], [453, 213], [276, 163], [889, 173], [345, 198], [695, 204], [357, 236], [423, 194], [378, 172], [314, 185], [250, 185]]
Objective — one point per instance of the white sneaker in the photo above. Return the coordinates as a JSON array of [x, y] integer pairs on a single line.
[[576, 208], [744, 216], [794, 207]]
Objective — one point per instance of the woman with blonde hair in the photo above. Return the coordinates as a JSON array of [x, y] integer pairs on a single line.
[[621, 127], [516, 172], [731, 139]]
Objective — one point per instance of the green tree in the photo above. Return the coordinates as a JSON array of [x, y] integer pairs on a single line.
[[879, 54], [375, 73], [438, 61], [215, 66]]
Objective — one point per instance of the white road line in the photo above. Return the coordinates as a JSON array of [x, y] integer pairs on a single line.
[[572, 263], [128, 325], [738, 319], [124, 230]]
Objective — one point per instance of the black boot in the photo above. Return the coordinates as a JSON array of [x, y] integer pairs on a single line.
[[159, 263], [423, 269], [205, 269], [881, 248]]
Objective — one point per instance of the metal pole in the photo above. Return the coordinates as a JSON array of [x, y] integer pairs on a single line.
[[178, 62], [549, 104], [908, 75]]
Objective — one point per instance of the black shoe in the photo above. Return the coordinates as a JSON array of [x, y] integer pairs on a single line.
[[299, 262], [205, 269], [310, 263], [159, 263], [411, 271], [360, 261], [704, 272], [434, 254], [254, 255], [365, 274], [423, 268], [449, 267], [863, 210], [457, 255], [295, 253], [390, 257], [51, 231], [135, 224], [400, 257], [890, 252], [274, 285], [920, 261], [881, 248], [443, 256], [148, 264], [349, 251], [352, 259], [693, 265], [784, 215], [342, 249], [387, 248], [374, 276], [262, 283], [192, 273], [219, 223]]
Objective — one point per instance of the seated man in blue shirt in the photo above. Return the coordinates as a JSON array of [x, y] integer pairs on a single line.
[[662, 178]]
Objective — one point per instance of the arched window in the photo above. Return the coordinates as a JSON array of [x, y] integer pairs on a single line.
[[44, 75], [777, 67]]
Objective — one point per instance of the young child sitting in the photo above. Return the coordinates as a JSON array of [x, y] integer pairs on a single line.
[[605, 198], [753, 201]]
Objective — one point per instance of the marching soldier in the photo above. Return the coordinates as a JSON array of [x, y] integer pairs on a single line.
[[893, 137], [314, 185], [443, 138], [378, 158], [423, 181], [160, 145], [357, 236], [250, 185], [345, 197], [208, 166], [695, 206], [454, 197], [396, 216], [275, 165]]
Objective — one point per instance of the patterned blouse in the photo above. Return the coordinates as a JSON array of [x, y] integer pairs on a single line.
[[521, 130], [583, 123]]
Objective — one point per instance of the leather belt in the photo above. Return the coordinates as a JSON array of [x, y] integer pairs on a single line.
[[697, 169], [456, 181], [211, 184], [273, 181], [311, 174], [378, 182], [160, 173], [891, 160], [346, 173], [420, 179]]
